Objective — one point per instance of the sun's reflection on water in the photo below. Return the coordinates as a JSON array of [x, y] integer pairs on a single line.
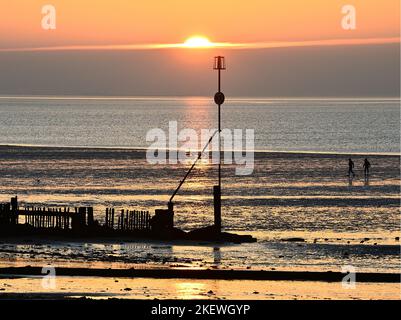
[[189, 290]]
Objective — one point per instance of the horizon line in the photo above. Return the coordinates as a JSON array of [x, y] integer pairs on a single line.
[[185, 97], [140, 149], [213, 45]]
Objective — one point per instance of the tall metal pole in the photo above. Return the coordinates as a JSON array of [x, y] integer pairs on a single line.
[[219, 71], [219, 64]]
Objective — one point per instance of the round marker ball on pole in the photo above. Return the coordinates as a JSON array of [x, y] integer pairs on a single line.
[[219, 98]]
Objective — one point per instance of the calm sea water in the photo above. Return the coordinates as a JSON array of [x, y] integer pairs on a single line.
[[288, 195], [282, 125]]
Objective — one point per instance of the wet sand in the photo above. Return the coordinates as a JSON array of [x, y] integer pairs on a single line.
[[150, 283], [145, 288], [271, 255], [298, 195]]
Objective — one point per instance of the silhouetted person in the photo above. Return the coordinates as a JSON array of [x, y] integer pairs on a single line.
[[351, 166], [366, 167]]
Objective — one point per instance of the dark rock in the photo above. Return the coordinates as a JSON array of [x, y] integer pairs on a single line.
[[294, 240], [211, 234]]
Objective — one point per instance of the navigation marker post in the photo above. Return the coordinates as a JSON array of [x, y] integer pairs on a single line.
[[219, 64]]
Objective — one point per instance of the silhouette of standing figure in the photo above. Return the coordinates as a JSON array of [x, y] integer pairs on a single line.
[[351, 166], [366, 166]]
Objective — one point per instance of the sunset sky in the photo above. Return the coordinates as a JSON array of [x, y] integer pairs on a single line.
[[113, 48]]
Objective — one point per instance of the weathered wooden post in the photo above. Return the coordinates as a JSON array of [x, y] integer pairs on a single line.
[[14, 210], [141, 220], [131, 220], [91, 221]]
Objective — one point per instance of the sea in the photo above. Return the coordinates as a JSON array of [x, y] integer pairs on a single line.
[[91, 151]]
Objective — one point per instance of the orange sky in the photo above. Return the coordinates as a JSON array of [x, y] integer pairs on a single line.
[[89, 22], [302, 48]]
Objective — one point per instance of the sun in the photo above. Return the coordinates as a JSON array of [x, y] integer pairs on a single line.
[[198, 42]]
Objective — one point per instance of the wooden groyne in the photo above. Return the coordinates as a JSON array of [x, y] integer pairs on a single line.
[[121, 224], [128, 220], [72, 219]]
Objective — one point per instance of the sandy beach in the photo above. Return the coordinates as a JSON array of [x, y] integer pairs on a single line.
[[310, 222], [158, 152], [178, 283]]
